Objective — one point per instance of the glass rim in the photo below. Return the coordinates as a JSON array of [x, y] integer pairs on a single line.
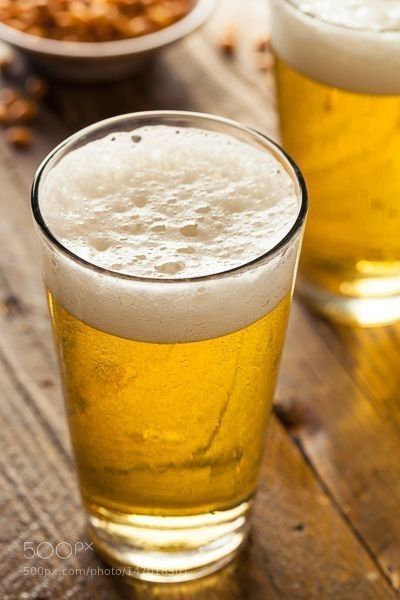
[[311, 15], [285, 160]]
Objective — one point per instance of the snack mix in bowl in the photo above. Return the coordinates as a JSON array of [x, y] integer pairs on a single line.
[[93, 41], [92, 20]]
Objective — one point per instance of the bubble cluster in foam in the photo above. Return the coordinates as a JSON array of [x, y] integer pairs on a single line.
[[169, 203], [163, 202], [351, 44], [361, 14]]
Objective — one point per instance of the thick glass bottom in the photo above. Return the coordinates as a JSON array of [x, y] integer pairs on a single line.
[[170, 549], [351, 310]]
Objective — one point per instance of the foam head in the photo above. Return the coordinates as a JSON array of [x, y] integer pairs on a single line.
[[352, 44], [165, 203]]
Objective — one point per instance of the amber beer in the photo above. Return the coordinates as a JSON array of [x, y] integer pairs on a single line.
[[338, 80], [168, 429], [169, 300]]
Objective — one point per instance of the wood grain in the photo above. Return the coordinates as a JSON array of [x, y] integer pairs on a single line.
[[326, 520], [342, 388]]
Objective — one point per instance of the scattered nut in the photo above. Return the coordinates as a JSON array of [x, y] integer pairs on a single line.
[[228, 41], [35, 86], [19, 137], [23, 110], [17, 109], [263, 43], [8, 96]]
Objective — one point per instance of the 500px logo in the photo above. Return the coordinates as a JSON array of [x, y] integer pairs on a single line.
[[62, 550]]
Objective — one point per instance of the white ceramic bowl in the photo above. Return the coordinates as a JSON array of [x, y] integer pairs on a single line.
[[101, 61]]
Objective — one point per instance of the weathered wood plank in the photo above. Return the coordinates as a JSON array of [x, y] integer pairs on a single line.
[[372, 359], [40, 504], [341, 400]]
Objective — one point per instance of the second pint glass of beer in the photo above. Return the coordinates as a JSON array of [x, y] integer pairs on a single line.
[[169, 244], [338, 80]]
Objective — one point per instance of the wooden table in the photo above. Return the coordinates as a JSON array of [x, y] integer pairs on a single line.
[[327, 522]]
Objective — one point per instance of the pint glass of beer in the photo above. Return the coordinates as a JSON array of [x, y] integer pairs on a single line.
[[169, 244], [338, 82]]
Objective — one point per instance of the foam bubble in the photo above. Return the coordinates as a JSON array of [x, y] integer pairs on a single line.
[[352, 44], [151, 203], [361, 14], [153, 192]]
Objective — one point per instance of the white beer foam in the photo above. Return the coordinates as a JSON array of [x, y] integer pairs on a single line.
[[351, 44], [164, 203]]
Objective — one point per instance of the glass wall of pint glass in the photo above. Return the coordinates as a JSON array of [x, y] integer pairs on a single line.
[[168, 371], [338, 83]]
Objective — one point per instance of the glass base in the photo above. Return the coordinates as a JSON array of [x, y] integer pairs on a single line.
[[350, 310], [170, 549]]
